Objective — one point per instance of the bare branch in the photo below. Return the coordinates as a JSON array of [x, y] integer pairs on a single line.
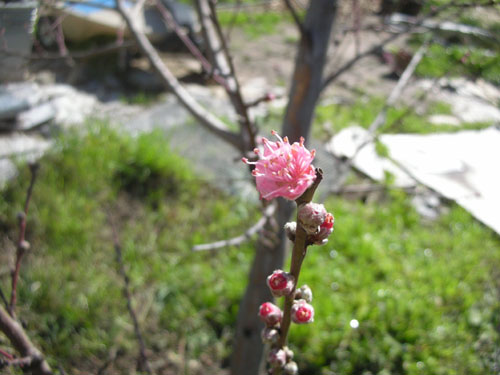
[[398, 19], [21, 342], [143, 360], [222, 61], [4, 299], [345, 165], [6, 354], [350, 63], [205, 118], [22, 244], [295, 16], [398, 89], [236, 241]]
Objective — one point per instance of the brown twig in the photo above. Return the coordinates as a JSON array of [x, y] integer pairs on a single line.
[[224, 62], [22, 244], [21, 342], [375, 49], [172, 23], [298, 255], [398, 89], [345, 165], [6, 354], [236, 241], [295, 17], [4, 299], [205, 118], [143, 360]]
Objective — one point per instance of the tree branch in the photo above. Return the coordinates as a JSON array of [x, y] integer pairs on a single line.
[[296, 17], [204, 117], [143, 360], [398, 89], [21, 342], [298, 255], [223, 62], [22, 244], [172, 23], [345, 165], [350, 63], [4, 299], [257, 227]]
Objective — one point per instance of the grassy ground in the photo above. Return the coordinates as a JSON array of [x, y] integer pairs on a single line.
[[425, 294]]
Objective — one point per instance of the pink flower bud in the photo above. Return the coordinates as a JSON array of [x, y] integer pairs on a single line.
[[277, 358], [269, 97], [270, 335], [325, 229], [305, 293], [290, 229], [281, 283], [311, 216], [270, 313], [283, 169], [288, 352], [291, 368], [302, 312]]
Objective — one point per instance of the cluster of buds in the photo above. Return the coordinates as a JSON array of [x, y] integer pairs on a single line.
[[282, 358], [285, 170], [316, 221]]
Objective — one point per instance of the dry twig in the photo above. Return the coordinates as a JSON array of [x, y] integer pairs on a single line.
[[22, 244], [236, 241], [204, 117], [143, 360], [295, 16]]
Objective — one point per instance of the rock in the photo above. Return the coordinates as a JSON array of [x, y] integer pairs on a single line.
[[471, 101], [460, 166], [30, 148], [346, 145], [35, 116], [17, 97]]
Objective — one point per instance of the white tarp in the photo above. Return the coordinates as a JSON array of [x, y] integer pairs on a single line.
[[462, 166]]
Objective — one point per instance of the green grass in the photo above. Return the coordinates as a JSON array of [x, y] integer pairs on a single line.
[[425, 293], [254, 24], [332, 118], [461, 60], [70, 293]]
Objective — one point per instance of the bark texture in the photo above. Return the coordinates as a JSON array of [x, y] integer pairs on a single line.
[[304, 93], [21, 342]]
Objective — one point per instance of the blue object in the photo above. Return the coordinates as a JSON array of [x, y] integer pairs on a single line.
[[88, 8]]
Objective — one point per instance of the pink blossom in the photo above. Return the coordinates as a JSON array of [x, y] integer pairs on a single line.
[[270, 313], [325, 229], [302, 312], [283, 169], [281, 283]]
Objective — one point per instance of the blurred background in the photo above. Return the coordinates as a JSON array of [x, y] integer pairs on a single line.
[[406, 128]]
